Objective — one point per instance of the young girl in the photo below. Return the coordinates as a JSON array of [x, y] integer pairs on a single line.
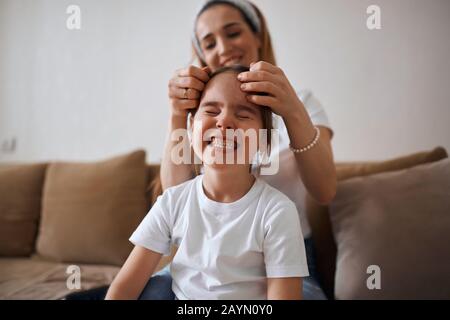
[[237, 237]]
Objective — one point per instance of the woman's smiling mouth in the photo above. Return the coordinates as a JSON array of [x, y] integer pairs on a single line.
[[232, 60]]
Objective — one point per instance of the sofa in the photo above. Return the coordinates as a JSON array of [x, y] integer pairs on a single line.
[[64, 226]]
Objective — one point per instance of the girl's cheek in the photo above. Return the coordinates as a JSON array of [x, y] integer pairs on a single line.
[[198, 135], [197, 146]]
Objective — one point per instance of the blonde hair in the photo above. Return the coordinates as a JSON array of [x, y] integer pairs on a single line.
[[265, 52]]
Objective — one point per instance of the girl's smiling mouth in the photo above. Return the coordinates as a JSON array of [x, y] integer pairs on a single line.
[[223, 144]]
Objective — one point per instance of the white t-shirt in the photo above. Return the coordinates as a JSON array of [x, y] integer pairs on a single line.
[[288, 179], [225, 250]]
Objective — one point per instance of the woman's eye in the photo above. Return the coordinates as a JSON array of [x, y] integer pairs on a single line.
[[243, 116], [211, 112], [209, 46], [234, 34]]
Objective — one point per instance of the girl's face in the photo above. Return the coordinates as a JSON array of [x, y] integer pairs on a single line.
[[225, 37], [224, 106]]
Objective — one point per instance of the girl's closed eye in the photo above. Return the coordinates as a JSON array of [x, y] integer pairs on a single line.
[[211, 111], [245, 112], [244, 115]]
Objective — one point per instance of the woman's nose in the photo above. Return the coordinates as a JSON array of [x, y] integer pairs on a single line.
[[222, 45]]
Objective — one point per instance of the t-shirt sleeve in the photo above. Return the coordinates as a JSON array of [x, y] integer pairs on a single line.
[[284, 249], [154, 232], [315, 109], [316, 113]]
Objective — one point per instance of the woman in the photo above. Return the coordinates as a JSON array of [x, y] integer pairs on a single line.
[[230, 32]]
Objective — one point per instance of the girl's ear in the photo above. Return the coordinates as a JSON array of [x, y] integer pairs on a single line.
[[189, 127], [191, 122]]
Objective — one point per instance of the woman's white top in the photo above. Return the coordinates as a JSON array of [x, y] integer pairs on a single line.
[[287, 179]]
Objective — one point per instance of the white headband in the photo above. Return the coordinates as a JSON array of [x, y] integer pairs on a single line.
[[244, 6]]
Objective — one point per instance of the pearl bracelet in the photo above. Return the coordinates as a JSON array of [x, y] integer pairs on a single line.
[[309, 146]]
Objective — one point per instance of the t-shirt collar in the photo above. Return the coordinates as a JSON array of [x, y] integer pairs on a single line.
[[238, 206]]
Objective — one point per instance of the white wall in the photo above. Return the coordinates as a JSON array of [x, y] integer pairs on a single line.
[[102, 90]]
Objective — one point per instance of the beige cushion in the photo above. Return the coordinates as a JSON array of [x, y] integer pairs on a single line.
[[399, 221], [349, 170], [318, 216], [20, 206], [91, 209]]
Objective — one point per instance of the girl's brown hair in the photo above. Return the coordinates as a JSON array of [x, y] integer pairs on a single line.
[[265, 52]]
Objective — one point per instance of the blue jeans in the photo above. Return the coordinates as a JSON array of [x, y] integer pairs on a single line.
[[311, 284], [159, 287]]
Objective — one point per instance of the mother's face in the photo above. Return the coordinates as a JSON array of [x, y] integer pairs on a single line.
[[225, 38]]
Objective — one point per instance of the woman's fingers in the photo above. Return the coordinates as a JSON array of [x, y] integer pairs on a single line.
[[186, 87], [265, 66], [187, 82], [265, 85], [257, 76], [184, 93], [185, 104], [195, 72], [262, 87], [266, 101]]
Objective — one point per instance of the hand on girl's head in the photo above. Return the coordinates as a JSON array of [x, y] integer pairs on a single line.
[[186, 87]]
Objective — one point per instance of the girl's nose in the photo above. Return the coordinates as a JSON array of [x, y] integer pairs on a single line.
[[225, 121]]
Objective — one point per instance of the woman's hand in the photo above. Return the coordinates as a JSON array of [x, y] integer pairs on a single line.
[[185, 89], [270, 81]]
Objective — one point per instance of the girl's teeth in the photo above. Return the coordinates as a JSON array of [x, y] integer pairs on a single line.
[[227, 145]]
